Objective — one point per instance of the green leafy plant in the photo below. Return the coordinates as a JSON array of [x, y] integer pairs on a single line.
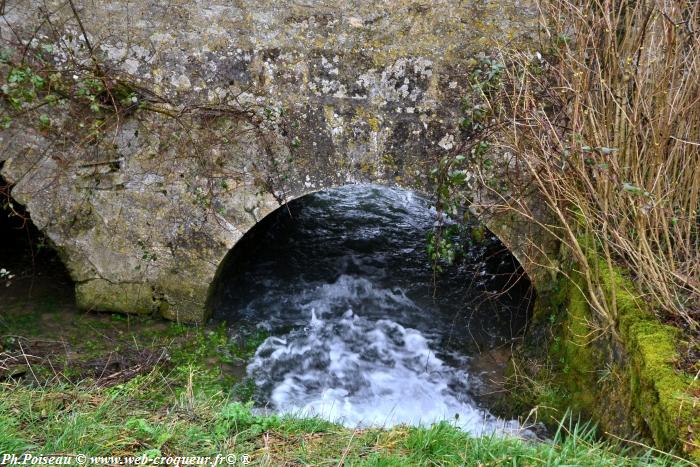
[[453, 175], [155, 436]]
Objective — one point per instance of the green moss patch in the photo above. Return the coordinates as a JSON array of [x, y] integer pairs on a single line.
[[625, 379]]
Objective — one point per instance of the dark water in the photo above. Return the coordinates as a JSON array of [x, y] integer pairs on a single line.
[[362, 330]]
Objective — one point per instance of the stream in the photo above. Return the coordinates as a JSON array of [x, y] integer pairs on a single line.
[[361, 330]]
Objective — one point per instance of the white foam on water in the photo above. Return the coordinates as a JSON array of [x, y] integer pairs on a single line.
[[363, 370]]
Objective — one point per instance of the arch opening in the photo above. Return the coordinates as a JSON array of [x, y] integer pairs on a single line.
[[354, 322], [31, 271]]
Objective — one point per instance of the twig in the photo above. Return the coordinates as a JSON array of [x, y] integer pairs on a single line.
[[98, 69]]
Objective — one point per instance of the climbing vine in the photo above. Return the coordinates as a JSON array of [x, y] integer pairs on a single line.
[[454, 176]]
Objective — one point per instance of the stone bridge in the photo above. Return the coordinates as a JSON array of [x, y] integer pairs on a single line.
[[333, 91], [209, 114]]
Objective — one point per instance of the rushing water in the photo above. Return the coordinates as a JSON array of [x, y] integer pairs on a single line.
[[361, 329]]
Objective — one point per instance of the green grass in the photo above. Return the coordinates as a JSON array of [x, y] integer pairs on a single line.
[[123, 420], [187, 405]]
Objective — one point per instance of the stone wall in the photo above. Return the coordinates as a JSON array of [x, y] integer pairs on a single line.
[[359, 91]]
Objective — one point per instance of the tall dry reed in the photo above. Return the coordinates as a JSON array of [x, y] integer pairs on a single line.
[[606, 121]]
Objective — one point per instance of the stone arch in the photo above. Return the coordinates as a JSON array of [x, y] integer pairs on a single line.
[[509, 236], [380, 106]]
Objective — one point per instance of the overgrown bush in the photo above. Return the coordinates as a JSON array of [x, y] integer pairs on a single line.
[[605, 120]]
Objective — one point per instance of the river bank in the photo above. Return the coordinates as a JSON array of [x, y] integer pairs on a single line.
[[104, 402], [103, 384]]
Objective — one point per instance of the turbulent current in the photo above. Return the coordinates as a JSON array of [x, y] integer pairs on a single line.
[[361, 329]]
